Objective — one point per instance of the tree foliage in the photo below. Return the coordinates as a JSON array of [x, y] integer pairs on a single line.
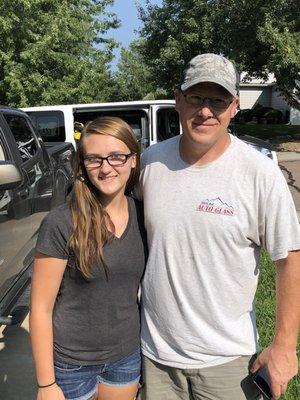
[[172, 35], [133, 79], [260, 36], [53, 51]]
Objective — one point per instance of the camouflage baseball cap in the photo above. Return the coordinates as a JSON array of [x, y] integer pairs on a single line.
[[211, 68]]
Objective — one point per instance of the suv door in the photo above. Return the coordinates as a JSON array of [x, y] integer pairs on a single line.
[[20, 209], [36, 194], [15, 240]]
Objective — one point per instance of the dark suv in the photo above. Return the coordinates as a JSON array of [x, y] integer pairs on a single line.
[[33, 179]]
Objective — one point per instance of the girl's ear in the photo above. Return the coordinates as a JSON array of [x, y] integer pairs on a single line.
[[133, 161]]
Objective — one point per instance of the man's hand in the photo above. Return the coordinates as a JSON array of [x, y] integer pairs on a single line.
[[282, 365]]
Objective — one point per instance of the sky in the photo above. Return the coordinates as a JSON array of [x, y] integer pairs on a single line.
[[126, 11]]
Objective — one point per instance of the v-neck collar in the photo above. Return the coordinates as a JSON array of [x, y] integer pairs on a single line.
[[124, 234]]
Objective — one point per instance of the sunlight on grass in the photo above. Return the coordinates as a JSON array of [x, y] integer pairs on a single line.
[[265, 308], [266, 131]]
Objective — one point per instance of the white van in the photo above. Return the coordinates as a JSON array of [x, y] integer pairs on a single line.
[[152, 121]]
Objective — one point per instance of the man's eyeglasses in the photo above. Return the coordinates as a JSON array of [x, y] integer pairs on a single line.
[[115, 160], [213, 103]]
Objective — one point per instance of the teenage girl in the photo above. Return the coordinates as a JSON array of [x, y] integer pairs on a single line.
[[90, 257]]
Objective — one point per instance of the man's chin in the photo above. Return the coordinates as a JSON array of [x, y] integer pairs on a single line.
[[203, 128], [202, 141]]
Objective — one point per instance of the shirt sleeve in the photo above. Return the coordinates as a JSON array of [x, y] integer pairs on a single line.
[[280, 230], [137, 192], [54, 234]]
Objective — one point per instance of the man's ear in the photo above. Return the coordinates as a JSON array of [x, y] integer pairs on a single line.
[[177, 96], [235, 107]]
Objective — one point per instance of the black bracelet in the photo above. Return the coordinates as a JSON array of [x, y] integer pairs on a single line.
[[44, 386]]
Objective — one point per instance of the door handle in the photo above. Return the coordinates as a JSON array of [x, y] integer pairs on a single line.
[[24, 193]]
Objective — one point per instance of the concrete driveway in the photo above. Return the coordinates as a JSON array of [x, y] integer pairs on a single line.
[[17, 376], [289, 162]]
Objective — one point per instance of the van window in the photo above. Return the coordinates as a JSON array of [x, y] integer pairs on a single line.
[[134, 118], [167, 124], [50, 125], [23, 135]]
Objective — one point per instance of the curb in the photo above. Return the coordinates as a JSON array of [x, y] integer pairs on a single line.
[[288, 156]]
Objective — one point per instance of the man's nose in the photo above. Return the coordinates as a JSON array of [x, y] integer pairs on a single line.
[[205, 110]]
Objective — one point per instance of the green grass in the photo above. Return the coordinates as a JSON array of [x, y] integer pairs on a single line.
[[265, 305], [267, 131]]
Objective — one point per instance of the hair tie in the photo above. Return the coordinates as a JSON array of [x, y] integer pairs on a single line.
[[44, 386]]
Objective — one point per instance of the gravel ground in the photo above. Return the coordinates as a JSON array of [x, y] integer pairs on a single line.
[[291, 145]]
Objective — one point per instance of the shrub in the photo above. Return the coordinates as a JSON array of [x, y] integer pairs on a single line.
[[260, 114]]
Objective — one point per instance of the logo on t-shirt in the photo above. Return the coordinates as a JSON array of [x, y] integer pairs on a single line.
[[215, 206]]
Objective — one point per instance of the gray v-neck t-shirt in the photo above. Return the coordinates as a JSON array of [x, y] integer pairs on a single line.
[[96, 321]]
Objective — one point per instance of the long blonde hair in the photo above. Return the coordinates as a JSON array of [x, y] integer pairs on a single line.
[[90, 232]]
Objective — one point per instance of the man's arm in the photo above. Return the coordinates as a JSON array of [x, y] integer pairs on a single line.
[[280, 357]]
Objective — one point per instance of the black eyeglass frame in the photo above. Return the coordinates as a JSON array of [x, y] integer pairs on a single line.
[[101, 159], [209, 101]]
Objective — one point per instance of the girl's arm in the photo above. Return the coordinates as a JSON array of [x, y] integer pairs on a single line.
[[46, 280]]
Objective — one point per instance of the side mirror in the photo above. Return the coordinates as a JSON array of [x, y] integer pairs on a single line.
[[10, 176]]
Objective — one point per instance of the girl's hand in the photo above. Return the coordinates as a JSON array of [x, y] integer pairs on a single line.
[[53, 392]]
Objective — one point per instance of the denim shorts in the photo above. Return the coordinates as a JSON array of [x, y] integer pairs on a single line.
[[80, 382]]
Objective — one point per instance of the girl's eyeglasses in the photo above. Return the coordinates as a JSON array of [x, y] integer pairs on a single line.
[[115, 160]]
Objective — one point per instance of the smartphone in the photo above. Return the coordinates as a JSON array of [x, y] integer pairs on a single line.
[[262, 381]]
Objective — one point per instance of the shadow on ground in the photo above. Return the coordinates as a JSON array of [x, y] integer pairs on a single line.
[[290, 178], [17, 377]]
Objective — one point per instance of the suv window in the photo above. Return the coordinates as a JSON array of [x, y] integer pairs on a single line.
[[50, 125], [2, 156], [4, 195], [23, 135]]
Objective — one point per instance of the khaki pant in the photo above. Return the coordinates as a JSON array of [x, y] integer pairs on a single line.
[[230, 381]]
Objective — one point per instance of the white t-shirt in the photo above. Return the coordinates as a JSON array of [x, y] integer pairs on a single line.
[[206, 226]]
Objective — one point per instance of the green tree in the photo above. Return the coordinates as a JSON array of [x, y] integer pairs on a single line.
[[53, 51], [261, 36], [173, 33], [133, 79]]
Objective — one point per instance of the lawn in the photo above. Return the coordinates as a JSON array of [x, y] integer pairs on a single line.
[[267, 131], [265, 304]]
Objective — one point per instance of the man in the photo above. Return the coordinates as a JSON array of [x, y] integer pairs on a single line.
[[211, 203]]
